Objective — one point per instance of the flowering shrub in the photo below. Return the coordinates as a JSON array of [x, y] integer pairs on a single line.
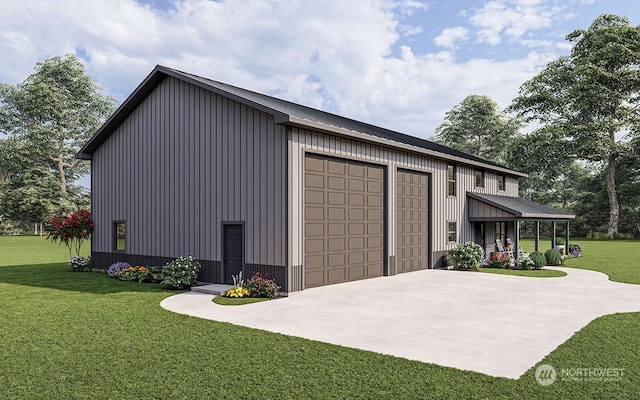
[[525, 263], [498, 260], [259, 286], [575, 249], [466, 256], [79, 263], [72, 231], [180, 273], [238, 292], [539, 260], [115, 269], [134, 273]]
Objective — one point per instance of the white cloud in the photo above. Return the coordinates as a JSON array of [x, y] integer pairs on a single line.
[[346, 58], [449, 36], [512, 18]]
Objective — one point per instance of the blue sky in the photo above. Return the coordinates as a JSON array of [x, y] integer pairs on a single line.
[[398, 64]]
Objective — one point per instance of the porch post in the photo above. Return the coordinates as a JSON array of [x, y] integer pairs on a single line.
[[566, 237], [553, 235], [516, 243], [537, 235]]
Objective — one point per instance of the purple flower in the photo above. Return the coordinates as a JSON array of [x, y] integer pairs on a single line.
[[115, 270]]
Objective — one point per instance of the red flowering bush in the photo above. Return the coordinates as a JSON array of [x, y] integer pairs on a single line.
[[71, 231], [498, 260], [260, 286]]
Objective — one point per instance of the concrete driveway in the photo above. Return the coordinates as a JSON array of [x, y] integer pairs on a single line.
[[495, 324]]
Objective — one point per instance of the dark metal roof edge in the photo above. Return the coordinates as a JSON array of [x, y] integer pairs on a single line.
[[279, 116], [161, 72], [494, 204], [560, 216]]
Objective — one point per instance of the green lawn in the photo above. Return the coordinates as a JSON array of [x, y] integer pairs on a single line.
[[620, 259], [66, 335]]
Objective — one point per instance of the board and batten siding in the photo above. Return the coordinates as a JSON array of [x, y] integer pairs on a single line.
[[185, 161], [444, 208]]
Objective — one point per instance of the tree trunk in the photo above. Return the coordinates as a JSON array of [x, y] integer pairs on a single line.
[[60, 162], [614, 208]]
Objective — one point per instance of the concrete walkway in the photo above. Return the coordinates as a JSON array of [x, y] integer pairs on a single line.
[[495, 324]]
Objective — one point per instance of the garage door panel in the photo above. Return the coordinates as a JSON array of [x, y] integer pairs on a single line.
[[356, 214], [356, 272], [312, 230], [335, 167], [356, 185], [314, 213], [336, 199], [315, 261], [412, 205], [336, 229], [314, 181], [314, 246], [347, 220], [336, 183], [336, 275], [356, 200], [336, 244], [336, 259]]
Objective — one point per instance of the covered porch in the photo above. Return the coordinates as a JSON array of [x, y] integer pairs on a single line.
[[497, 218]]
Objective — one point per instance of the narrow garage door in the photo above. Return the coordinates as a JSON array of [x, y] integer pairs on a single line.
[[344, 221], [412, 214]]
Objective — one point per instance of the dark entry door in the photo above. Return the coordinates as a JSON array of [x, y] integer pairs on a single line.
[[232, 257]]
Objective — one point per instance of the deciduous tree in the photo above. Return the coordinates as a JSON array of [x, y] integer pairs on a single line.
[[591, 98], [55, 111], [477, 126]]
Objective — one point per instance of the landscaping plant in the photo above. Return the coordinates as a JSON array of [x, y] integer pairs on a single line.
[[525, 263], [498, 260], [466, 256], [115, 269], [135, 273], [72, 231], [539, 260], [260, 286], [79, 263], [575, 250], [180, 273], [552, 256]]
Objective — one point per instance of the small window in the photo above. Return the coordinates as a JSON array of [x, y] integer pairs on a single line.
[[452, 232], [119, 233], [479, 178], [451, 180], [502, 179]]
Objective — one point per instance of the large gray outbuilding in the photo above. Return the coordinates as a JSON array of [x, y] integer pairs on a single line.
[[247, 182]]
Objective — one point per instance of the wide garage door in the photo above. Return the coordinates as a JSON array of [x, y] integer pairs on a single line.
[[344, 220], [412, 215]]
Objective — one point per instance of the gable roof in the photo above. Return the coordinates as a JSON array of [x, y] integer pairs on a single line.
[[288, 113], [517, 207]]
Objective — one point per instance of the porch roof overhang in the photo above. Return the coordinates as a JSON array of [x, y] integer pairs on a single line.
[[488, 207]]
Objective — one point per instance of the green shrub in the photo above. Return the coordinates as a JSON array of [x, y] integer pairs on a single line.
[[538, 259], [180, 273], [552, 256], [466, 256], [560, 241]]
